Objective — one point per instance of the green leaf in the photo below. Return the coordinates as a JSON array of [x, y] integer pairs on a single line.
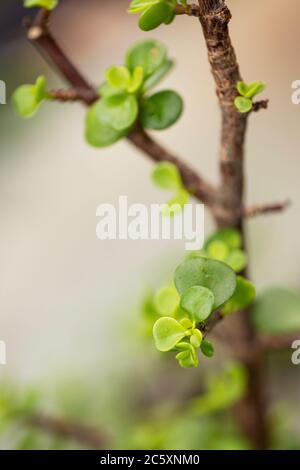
[[137, 79], [207, 348], [118, 111], [106, 90], [255, 88], [166, 176], [196, 338], [175, 205], [223, 391], [188, 358], [217, 249], [48, 4], [237, 260], [212, 274], [157, 76], [139, 5], [242, 88], [230, 236], [27, 98], [97, 133], [167, 332], [243, 296], [186, 322], [149, 54], [161, 110], [166, 301], [170, 18], [155, 15], [251, 90], [243, 105], [118, 77], [276, 311], [198, 301]]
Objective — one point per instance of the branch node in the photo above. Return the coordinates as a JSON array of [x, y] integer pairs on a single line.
[[34, 33], [254, 211], [263, 104]]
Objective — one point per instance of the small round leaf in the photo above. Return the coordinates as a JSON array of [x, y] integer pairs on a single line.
[[157, 76], [27, 98], [118, 111], [161, 110], [149, 54], [166, 301], [242, 88], [167, 332], [230, 236], [97, 133], [106, 90], [118, 77], [237, 260], [218, 249], [207, 348], [198, 301], [155, 16], [196, 338], [176, 204], [136, 79], [166, 176], [243, 105], [243, 296], [139, 5], [187, 359], [212, 274]]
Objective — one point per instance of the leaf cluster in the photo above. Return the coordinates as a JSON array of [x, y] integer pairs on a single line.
[[244, 102], [205, 283]]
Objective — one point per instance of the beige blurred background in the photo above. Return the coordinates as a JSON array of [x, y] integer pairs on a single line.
[[64, 295]]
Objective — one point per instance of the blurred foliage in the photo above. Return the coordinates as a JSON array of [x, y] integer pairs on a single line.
[[277, 310], [194, 424]]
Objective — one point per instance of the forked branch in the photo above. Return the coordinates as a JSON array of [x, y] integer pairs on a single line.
[[226, 203], [38, 32]]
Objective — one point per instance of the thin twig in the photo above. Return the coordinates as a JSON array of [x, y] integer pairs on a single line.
[[254, 211], [72, 94], [83, 434], [211, 323], [258, 105]]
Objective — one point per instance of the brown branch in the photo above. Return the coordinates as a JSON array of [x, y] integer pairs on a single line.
[[38, 33], [258, 105], [193, 182], [72, 94], [254, 211], [214, 18], [277, 342], [83, 434], [211, 323]]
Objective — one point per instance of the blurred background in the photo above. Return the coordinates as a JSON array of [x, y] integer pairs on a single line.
[[70, 304]]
